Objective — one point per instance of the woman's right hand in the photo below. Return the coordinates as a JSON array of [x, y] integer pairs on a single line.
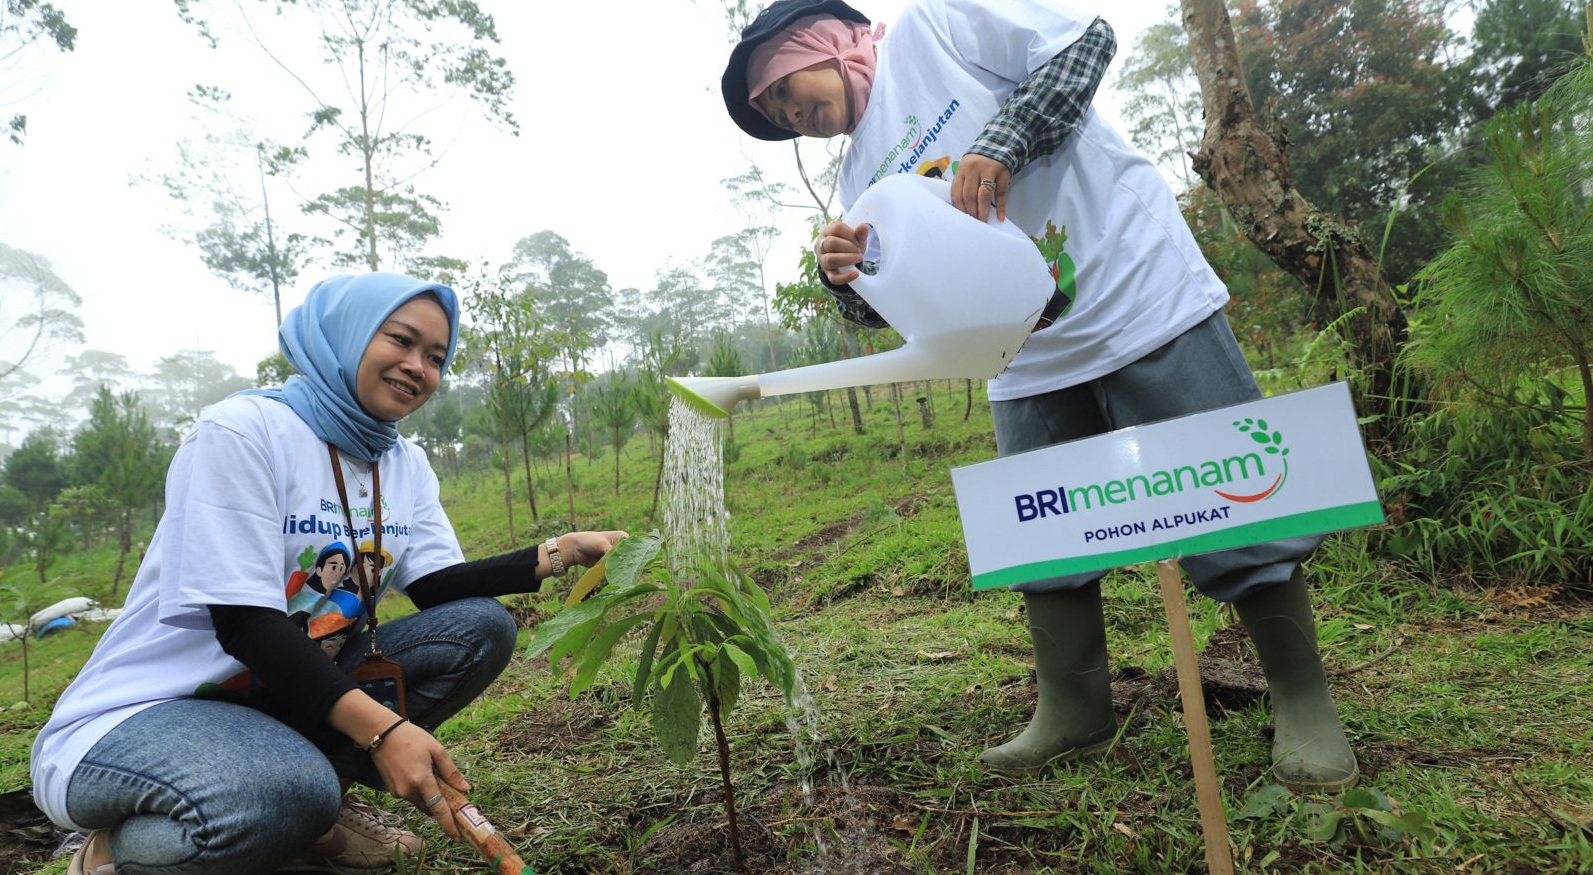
[[839, 250], [413, 764]]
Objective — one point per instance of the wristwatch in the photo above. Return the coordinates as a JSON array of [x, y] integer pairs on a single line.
[[555, 561]]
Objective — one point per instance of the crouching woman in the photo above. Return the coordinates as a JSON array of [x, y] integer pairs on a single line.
[[247, 683]]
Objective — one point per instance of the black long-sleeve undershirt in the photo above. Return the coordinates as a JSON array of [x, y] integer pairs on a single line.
[[282, 657], [507, 574]]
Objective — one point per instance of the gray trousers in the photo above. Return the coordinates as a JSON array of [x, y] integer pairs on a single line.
[[1199, 370]]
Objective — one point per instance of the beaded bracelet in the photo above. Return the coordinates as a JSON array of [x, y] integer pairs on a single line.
[[380, 737]]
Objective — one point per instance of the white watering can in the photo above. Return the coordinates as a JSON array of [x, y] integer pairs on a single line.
[[963, 294]]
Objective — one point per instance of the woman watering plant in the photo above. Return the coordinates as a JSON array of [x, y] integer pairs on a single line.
[[224, 715], [995, 96]]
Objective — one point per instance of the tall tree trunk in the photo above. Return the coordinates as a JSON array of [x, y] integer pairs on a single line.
[[1584, 369], [1248, 167], [569, 472], [501, 408], [368, 150], [271, 242], [124, 523], [851, 391], [508, 479], [901, 429], [530, 481], [658, 482]]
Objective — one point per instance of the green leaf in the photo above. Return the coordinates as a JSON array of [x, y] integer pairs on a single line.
[[644, 666], [973, 847], [553, 629], [573, 641], [673, 660], [741, 658], [727, 681], [1363, 797], [756, 593], [560, 625], [778, 669], [1414, 825], [1273, 799], [677, 718], [597, 651], [728, 627], [630, 557], [1325, 827], [588, 582], [700, 628]]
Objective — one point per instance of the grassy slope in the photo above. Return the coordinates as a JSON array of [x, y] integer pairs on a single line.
[[1468, 708]]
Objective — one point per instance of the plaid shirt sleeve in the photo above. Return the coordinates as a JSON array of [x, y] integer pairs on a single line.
[[852, 306], [1044, 108], [1050, 103]]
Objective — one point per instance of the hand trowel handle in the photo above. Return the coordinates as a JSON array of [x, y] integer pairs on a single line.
[[494, 848]]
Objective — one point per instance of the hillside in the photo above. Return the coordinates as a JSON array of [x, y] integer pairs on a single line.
[[1468, 706]]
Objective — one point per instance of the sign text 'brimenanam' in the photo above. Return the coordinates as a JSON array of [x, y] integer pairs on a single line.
[[1210, 474]]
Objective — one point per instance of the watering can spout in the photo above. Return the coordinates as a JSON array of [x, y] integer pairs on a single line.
[[962, 293], [714, 396]]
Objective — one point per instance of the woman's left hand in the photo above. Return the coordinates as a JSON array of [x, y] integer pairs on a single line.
[[980, 184], [585, 548]]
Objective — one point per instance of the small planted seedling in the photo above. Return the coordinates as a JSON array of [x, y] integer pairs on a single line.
[[1361, 815], [700, 638], [1368, 817]]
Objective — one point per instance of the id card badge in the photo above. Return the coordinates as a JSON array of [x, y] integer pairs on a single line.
[[383, 680]]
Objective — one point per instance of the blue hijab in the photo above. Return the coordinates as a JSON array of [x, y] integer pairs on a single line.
[[324, 339]]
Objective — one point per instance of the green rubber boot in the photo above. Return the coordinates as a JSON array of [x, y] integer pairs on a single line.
[[1073, 717], [1309, 751]]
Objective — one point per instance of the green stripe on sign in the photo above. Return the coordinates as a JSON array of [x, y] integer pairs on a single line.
[[1314, 522]]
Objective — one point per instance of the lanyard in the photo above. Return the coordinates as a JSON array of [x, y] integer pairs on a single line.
[[368, 588]]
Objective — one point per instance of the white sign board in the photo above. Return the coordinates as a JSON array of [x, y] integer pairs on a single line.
[[1281, 467]]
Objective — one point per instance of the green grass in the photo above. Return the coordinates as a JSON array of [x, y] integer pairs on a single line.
[[1465, 708]]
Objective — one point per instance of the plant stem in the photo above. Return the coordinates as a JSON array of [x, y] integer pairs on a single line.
[[723, 744]]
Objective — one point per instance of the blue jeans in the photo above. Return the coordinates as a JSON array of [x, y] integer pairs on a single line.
[[202, 787], [1199, 370]]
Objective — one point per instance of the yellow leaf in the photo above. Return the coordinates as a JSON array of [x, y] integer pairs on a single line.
[[587, 583]]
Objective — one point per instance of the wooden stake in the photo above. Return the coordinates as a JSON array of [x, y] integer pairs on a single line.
[[494, 848], [1213, 821]]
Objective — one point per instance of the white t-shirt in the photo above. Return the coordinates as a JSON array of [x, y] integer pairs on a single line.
[[1099, 211], [252, 510]]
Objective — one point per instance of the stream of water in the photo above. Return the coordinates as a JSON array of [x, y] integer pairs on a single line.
[[697, 525]]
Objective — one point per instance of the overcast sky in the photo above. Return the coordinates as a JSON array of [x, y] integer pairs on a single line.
[[623, 147]]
